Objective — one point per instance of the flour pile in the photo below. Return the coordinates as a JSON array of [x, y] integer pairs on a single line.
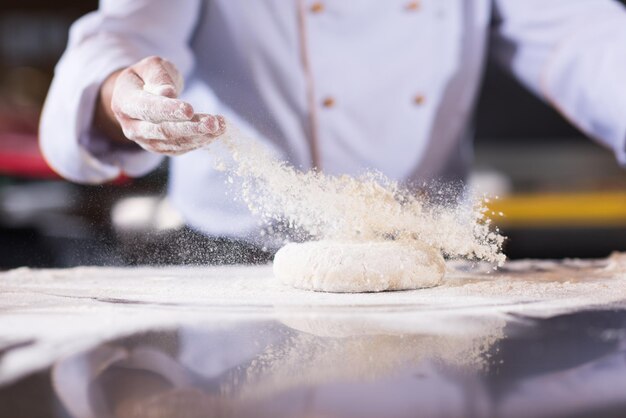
[[368, 208]]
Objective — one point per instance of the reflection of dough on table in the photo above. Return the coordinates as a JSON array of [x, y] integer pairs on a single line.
[[314, 357], [350, 266]]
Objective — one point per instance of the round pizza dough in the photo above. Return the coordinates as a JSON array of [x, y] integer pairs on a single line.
[[338, 266]]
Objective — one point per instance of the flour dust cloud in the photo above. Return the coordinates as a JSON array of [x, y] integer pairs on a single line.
[[371, 207]]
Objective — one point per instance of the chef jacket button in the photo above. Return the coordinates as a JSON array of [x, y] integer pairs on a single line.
[[412, 6], [328, 102], [419, 99], [317, 7]]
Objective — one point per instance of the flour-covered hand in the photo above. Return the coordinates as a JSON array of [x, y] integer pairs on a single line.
[[143, 101]]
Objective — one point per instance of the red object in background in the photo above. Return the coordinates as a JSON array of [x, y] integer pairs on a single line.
[[19, 146], [20, 157], [19, 150]]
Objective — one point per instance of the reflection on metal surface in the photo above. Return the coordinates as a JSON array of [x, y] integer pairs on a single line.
[[274, 369], [567, 365], [324, 351], [335, 368]]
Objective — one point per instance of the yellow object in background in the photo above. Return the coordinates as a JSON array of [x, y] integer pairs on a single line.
[[603, 209]]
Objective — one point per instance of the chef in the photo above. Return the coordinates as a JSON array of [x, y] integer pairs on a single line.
[[344, 86]]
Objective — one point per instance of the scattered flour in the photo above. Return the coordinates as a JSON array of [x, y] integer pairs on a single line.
[[344, 209], [368, 208]]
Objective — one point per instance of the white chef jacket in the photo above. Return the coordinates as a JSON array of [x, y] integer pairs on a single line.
[[343, 85]]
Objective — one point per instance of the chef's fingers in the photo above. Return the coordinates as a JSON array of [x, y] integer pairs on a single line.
[[175, 147], [199, 125], [175, 75], [131, 101], [222, 123], [160, 76]]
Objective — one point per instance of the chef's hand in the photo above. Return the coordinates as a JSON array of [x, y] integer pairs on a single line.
[[139, 104]]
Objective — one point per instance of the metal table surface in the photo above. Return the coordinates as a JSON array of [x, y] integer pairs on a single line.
[[534, 339]]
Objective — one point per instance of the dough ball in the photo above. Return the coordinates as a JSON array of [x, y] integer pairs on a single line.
[[338, 266]]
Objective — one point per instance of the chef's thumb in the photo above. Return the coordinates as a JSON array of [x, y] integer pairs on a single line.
[[160, 77]]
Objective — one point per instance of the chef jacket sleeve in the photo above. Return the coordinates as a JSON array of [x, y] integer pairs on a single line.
[[118, 34], [572, 54]]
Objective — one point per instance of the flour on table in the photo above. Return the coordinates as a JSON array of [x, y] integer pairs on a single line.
[[369, 208], [48, 314]]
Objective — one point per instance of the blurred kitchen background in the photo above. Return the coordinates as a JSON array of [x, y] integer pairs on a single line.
[[562, 195]]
